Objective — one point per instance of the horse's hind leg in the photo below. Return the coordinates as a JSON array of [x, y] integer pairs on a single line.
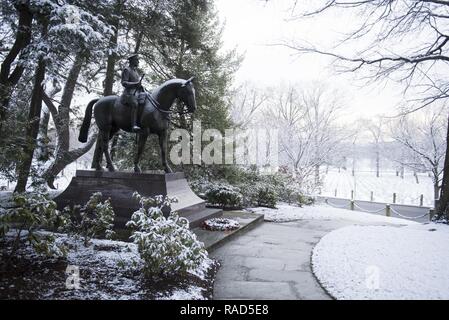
[[105, 147], [98, 154]]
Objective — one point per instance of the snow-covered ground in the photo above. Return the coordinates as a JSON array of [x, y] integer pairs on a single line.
[[285, 212], [107, 270], [384, 262], [407, 190], [401, 259]]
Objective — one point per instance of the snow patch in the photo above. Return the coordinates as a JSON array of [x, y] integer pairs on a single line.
[[285, 213], [384, 262]]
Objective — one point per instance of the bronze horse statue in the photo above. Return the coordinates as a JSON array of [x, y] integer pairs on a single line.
[[111, 115]]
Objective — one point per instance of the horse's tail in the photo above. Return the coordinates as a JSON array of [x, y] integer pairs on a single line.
[[84, 131]]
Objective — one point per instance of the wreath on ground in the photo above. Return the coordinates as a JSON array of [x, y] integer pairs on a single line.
[[220, 224]]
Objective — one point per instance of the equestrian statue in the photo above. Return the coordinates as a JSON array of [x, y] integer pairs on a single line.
[[136, 111]]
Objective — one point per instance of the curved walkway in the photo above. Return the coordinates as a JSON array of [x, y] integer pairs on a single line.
[[272, 261]]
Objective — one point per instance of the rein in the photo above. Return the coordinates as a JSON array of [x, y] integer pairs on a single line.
[[157, 106]]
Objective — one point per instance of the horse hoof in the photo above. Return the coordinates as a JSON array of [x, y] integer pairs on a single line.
[[137, 170]]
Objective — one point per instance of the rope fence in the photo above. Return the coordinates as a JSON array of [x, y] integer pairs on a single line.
[[412, 218], [336, 206], [366, 210], [385, 207], [394, 198]]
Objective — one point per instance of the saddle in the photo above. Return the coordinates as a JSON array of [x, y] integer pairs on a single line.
[[130, 99]]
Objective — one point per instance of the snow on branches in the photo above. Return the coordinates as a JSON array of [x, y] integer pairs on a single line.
[[166, 244]]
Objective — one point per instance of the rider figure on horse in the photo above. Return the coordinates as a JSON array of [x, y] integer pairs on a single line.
[[132, 83]]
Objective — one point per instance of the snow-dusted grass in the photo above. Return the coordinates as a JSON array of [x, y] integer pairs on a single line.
[[384, 262], [407, 190], [285, 212]]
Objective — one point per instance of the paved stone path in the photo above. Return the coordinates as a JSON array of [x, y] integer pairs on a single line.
[[272, 261]]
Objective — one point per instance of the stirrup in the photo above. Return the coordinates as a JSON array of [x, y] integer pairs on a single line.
[[136, 129]]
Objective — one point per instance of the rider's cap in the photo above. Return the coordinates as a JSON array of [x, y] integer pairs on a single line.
[[135, 55]]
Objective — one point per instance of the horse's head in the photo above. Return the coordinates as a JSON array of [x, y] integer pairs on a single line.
[[186, 94]]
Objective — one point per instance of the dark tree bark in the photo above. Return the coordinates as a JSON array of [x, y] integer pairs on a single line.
[[24, 167], [442, 210], [8, 78], [110, 67]]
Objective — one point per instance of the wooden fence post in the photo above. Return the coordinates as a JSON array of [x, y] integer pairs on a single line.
[[351, 206], [335, 193], [394, 197], [421, 200], [372, 196], [388, 210], [352, 194]]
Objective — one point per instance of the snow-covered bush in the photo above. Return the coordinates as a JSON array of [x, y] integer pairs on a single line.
[[200, 187], [266, 195], [246, 187], [32, 211], [305, 200], [224, 195], [95, 219], [165, 244]]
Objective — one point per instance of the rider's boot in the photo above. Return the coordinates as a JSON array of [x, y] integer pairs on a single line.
[[135, 127]]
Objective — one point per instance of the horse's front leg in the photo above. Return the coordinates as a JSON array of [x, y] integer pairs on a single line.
[[142, 139], [105, 147], [163, 136]]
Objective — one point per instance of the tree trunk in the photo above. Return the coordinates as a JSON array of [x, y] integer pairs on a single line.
[[64, 156], [317, 175], [9, 79], [436, 193], [442, 210], [110, 76], [110, 68], [32, 130], [377, 164], [43, 150]]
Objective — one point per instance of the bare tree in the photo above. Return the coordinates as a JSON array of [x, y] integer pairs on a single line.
[[246, 101], [385, 24], [375, 128], [308, 130], [423, 141]]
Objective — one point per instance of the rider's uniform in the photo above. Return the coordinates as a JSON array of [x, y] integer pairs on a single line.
[[130, 93]]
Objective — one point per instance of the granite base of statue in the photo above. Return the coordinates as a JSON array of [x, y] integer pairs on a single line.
[[120, 186]]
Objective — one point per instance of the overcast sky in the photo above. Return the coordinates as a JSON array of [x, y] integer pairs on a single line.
[[252, 25]]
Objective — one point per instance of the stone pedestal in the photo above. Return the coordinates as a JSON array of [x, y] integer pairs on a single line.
[[120, 186]]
